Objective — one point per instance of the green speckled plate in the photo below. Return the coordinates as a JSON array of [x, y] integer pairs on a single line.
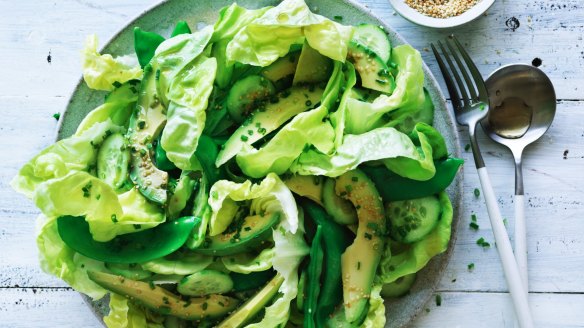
[[197, 13]]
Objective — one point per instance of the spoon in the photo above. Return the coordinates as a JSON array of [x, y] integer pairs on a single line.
[[135, 247], [522, 107]]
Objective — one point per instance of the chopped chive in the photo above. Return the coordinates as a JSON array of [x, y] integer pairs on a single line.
[[470, 266], [358, 265], [438, 300], [56, 116], [368, 236], [473, 217], [338, 18], [117, 84], [505, 222], [477, 192], [151, 284], [308, 103], [114, 218], [137, 226], [250, 132], [204, 306], [483, 243], [467, 147], [349, 188], [244, 138], [474, 226], [380, 81]]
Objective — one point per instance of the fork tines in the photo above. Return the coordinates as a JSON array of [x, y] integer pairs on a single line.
[[469, 90]]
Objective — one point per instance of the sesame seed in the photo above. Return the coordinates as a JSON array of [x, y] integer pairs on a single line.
[[441, 8]]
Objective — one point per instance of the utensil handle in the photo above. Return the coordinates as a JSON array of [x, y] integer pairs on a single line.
[[503, 244], [521, 240]]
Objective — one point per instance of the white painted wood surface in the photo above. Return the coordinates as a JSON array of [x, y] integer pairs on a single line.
[[31, 90]]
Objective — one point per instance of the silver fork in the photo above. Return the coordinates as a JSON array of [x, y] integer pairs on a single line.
[[471, 103]]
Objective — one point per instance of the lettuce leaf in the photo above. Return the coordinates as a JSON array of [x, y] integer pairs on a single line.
[[376, 314], [232, 19], [270, 36], [414, 258], [338, 118], [118, 107], [77, 153], [305, 129], [81, 194], [290, 249], [101, 72], [411, 159], [189, 94], [271, 195], [175, 54], [124, 314], [58, 259], [408, 94]]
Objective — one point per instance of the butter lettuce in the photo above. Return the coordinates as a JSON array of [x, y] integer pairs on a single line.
[[408, 94], [102, 72], [77, 153], [124, 314], [81, 194], [417, 255], [411, 159], [232, 19], [270, 36], [58, 259], [270, 195], [189, 95]]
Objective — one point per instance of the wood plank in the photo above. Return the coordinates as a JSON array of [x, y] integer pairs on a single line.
[[64, 308], [550, 33]]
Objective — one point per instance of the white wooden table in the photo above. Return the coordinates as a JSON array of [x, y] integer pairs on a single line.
[[32, 89]]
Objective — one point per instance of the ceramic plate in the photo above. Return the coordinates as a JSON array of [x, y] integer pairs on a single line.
[[414, 16], [197, 13]]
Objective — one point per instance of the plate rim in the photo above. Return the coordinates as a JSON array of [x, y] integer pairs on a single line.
[[429, 79]]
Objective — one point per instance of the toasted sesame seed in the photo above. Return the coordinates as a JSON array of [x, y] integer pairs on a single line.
[[441, 8]]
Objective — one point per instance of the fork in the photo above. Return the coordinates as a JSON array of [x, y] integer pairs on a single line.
[[471, 103]]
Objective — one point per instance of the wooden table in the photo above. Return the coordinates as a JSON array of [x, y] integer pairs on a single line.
[[40, 65]]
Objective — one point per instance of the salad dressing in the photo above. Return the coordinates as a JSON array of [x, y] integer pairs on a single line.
[[511, 118]]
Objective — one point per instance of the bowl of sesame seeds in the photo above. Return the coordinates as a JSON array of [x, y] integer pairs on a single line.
[[441, 13]]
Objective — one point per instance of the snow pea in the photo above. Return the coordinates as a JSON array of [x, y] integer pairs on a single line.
[[145, 44], [393, 187], [335, 240], [135, 247], [181, 27], [162, 161], [314, 274]]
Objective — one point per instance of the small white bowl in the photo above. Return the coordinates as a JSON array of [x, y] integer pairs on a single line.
[[414, 16]]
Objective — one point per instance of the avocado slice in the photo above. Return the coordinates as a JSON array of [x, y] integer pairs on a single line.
[[146, 123], [269, 117], [241, 236], [250, 308], [374, 72], [312, 66], [162, 301], [361, 259], [282, 70], [309, 186]]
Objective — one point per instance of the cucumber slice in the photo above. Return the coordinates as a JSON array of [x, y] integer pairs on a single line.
[[411, 220], [399, 287], [205, 282], [131, 271], [113, 160], [341, 210], [373, 71], [245, 95], [374, 38]]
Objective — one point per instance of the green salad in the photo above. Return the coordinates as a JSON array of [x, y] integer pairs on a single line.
[[277, 169]]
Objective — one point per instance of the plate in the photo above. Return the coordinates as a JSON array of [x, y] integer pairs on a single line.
[[416, 17], [197, 13]]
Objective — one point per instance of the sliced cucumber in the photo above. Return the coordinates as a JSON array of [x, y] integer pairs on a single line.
[[399, 287], [132, 270], [113, 160], [341, 210], [411, 220], [374, 72], [205, 282], [246, 94], [374, 38]]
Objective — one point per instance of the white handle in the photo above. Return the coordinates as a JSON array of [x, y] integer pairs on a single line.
[[521, 240], [503, 244]]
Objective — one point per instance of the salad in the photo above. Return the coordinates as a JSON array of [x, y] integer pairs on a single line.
[[277, 169]]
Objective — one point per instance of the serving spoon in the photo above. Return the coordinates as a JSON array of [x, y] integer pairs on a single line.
[[522, 107]]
